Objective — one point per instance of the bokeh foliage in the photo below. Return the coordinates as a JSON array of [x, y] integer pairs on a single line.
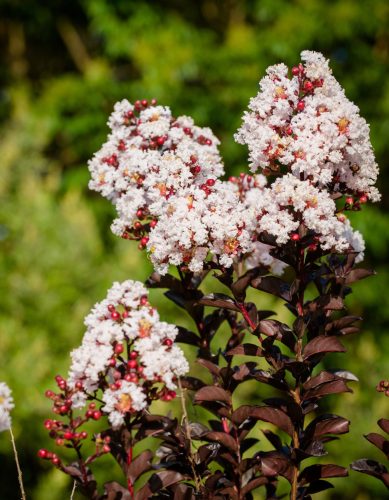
[[64, 65]]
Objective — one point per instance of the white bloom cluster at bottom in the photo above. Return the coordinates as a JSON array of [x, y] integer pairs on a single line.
[[6, 405], [127, 348]]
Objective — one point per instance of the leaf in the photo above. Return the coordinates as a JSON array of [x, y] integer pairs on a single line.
[[372, 468], [334, 387], [191, 383], [243, 372], [318, 486], [319, 471], [183, 492], [222, 437], [273, 285], [139, 465], [219, 300], [384, 424], [267, 378], [357, 274], [321, 345], [114, 490], [275, 417], [321, 378], [254, 483], [379, 442], [274, 463], [157, 482], [273, 439], [187, 337], [165, 281], [327, 424], [245, 350], [240, 286], [177, 298], [274, 328], [211, 367], [246, 444], [212, 393], [242, 413], [346, 375]]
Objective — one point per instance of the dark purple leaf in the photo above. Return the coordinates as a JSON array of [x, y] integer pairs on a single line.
[[139, 465], [191, 383], [221, 437], [242, 413], [318, 486], [346, 375], [321, 378], [273, 439], [243, 372], [166, 281], [240, 286], [254, 483], [114, 491], [273, 285], [245, 350], [318, 471], [187, 337], [183, 492], [211, 367], [335, 387], [275, 417], [384, 424], [274, 463], [219, 300], [267, 378], [157, 482], [246, 444], [372, 468], [338, 324], [379, 441], [212, 393], [327, 424], [357, 274], [321, 345]]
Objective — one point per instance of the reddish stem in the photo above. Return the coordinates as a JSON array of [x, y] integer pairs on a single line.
[[249, 321], [130, 486]]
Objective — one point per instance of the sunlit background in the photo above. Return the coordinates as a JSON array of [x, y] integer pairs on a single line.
[[64, 64]]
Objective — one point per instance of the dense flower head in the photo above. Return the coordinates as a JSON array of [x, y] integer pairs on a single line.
[[6, 405], [148, 157], [290, 204], [125, 351], [304, 122]]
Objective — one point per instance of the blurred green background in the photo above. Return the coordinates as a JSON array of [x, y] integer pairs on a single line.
[[64, 64]]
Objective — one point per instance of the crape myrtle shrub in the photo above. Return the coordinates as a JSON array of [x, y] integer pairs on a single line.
[[282, 230]]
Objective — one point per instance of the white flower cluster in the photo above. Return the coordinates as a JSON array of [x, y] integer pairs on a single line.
[[6, 405], [125, 322], [148, 157], [306, 123], [289, 202], [163, 173]]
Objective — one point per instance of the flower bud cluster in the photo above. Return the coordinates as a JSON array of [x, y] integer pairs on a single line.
[[6, 405], [305, 124], [383, 386], [127, 352]]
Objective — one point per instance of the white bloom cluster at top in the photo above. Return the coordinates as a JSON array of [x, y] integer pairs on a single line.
[[6, 405], [306, 123], [125, 325], [163, 174], [149, 156]]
